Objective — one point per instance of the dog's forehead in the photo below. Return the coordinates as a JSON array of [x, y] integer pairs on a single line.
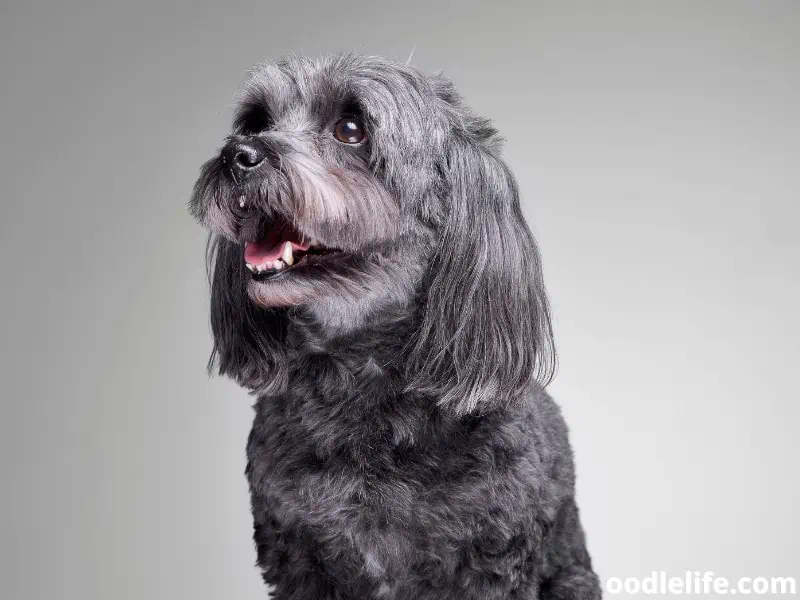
[[316, 86], [296, 83]]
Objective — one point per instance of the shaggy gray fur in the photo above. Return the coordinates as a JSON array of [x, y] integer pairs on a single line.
[[403, 447]]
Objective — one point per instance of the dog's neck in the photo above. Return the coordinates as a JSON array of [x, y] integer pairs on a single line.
[[337, 326], [364, 368]]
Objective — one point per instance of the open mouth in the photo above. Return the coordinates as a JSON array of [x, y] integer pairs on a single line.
[[282, 248]]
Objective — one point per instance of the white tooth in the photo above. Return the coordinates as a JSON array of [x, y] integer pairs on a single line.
[[277, 265], [313, 243], [250, 267], [261, 268], [287, 256]]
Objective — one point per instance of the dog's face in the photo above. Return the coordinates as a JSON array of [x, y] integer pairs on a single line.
[[351, 183], [323, 179]]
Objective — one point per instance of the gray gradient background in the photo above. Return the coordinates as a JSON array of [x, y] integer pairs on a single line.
[[657, 147]]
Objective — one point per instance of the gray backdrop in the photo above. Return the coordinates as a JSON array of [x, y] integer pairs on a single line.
[[657, 149]]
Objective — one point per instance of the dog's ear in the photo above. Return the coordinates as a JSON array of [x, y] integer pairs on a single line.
[[247, 338], [486, 335]]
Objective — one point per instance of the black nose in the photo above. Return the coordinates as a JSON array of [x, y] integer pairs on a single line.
[[240, 158]]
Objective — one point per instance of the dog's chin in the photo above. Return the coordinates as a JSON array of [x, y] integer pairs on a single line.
[[297, 286], [281, 293]]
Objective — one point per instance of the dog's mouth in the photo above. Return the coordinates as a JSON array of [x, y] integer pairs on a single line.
[[280, 249]]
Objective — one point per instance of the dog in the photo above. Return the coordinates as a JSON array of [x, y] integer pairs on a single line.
[[374, 285]]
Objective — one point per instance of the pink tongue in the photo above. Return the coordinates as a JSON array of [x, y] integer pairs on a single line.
[[256, 253], [271, 247]]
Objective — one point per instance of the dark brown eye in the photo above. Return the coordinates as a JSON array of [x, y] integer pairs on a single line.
[[252, 120], [349, 130]]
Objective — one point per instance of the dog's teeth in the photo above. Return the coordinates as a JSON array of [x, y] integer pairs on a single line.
[[287, 256], [272, 265], [313, 243]]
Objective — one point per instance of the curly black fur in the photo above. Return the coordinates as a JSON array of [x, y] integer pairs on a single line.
[[403, 447]]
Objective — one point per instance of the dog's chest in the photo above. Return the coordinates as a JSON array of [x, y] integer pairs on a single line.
[[350, 477], [383, 484]]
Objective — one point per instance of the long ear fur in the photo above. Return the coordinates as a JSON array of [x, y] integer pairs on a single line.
[[486, 334], [247, 344]]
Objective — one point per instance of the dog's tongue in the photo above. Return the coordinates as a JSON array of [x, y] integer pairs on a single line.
[[271, 247], [268, 249]]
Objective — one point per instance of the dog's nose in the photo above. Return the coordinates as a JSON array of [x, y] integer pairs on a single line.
[[242, 157]]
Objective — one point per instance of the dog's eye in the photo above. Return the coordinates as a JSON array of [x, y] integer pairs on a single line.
[[254, 119], [349, 130]]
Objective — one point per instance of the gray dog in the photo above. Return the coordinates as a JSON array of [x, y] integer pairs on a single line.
[[375, 286]]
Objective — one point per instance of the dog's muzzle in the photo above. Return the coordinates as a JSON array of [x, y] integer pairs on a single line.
[[241, 158]]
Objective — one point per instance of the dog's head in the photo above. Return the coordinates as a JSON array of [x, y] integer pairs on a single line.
[[355, 183]]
